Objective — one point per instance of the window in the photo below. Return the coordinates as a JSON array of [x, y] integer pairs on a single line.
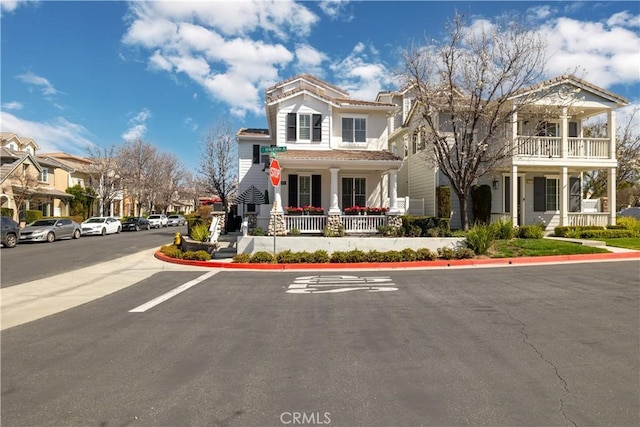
[[545, 194], [547, 129], [44, 175], [573, 129], [256, 154], [305, 190], [305, 126], [354, 129], [354, 192]]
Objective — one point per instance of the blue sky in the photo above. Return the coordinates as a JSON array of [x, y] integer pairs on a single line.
[[82, 73]]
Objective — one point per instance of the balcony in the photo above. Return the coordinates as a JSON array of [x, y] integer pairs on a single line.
[[551, 147]]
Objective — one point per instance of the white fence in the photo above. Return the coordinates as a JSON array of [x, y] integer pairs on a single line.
[[305, 223]]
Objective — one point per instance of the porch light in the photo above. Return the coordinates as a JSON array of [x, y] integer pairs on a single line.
[[495, 184]]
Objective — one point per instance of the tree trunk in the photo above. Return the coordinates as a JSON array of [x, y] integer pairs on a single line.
[[464, 212]]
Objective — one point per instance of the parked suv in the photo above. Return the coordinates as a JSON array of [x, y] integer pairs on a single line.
[[10, 232], [158, 220]]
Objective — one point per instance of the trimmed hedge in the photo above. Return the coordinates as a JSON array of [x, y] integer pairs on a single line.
[[530, 232], [31, 216], [424, 224], [564, 231], [6, 212], [443, 196], [605, 234]]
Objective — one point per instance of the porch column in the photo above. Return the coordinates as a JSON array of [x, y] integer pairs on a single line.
[[564, 196], [335, 207], [514, 130], [514, 195], [564, 132], [611, 131], [611, 191], [121, 203], [393, 192]]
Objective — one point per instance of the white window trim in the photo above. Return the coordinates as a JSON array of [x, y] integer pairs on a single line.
[[366, 128], [557, 179]]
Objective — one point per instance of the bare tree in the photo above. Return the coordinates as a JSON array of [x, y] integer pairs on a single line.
[[24, 185], [218, 163], [171, 178], [137, 164], [104, 177], [628, 156], [465, 87]]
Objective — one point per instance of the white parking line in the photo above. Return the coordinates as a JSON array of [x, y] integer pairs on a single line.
[[162, 298]]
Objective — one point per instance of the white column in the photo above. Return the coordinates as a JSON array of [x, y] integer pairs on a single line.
[[564, 132], [611, 191], [514, 131], [393, 192], [611, 131], [121, 206], [514, 195], [564, 196], [335, 207]]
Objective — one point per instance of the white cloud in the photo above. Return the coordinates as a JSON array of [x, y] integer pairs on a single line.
[[223, 46], [57, 134], [137, 126], [310, 60], [608, 54], [335, 9], [11, 5], [35, 80], [624, 19], [539, 12], [12, 106], [363, 77]]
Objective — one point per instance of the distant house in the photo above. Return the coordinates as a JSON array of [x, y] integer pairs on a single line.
[[336, 155], [29, 181], [542, 181]]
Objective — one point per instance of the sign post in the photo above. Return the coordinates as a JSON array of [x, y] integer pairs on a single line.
[[274, 172], [274, 176]]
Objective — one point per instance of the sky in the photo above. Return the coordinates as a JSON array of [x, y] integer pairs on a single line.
[[77, 74]]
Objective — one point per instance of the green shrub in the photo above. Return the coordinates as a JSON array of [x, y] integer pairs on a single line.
[[320, 257], [605, 234], [481, 203], [356, 255], [414, 231], [294, 232], [504, 230], [530, 232], [409, 254], [629, 223], [392, 256], [433, 232], [375, 256], [339, 257], [31, 216], [480, 238], [425, 223], [258, 231], [242, 258], [197, 255], [6, 212], [262, 257], [326, 232], [464, 253], [172, 251], [424, 254], [443, 195], [386, 230], [562, 231], [199, 232], [286, 257], [446, 253]]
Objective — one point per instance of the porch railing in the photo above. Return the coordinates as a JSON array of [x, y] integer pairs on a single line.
[[578, 148], [305, 223], [362, 223], [581, 218]]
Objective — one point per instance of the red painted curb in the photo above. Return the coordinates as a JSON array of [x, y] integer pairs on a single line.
[[407, 264]]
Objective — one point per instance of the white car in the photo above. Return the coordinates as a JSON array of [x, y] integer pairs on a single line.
[[101, 225], [176, 220], [158, 220]]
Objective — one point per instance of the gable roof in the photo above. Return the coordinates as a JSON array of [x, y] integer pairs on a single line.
[[573, 80], [18, 158]]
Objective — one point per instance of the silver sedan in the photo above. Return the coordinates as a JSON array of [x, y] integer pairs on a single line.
[[49, 230]]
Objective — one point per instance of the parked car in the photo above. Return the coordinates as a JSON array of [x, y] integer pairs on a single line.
[[101, 225], [50, 230], [10, 232], [633, 212], [158, 220], [136, 224], [176, 220]]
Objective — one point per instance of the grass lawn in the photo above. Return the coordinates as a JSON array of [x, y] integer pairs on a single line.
[[539, 247], [623, 242]]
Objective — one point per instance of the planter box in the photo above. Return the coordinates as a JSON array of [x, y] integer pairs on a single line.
[[192, 245]]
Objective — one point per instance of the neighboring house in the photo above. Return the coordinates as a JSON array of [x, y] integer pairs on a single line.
[[336, 153], [549, 158], [29, 180]]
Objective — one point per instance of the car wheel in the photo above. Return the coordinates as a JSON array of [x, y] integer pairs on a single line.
[[76, 234], [137, 228], [118, 230], [148, 227], [104, 232], [11, 241], [51, 237]]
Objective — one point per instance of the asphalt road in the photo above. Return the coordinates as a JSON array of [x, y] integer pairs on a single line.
[[526, 346], [31, 261]]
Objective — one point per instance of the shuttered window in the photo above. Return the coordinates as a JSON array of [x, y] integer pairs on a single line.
[[317, 128], [292, 129]]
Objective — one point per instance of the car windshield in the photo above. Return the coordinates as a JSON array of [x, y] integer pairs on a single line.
[[95, 220], [43, 222], [154, 216], [174, 216]]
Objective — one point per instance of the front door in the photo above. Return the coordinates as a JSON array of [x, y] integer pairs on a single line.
[[507, 198]]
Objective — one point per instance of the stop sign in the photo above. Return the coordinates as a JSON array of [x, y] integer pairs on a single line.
[[274, 172]]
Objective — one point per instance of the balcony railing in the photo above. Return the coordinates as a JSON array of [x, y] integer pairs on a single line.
[[550, 147]]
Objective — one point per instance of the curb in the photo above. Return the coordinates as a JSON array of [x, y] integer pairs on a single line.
[[407, 264]]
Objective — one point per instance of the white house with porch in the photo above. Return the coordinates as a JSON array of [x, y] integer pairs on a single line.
[[542, 181], [333, 156]]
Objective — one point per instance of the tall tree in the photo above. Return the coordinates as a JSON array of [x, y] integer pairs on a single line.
[[465, 87], [104, 177], [137, 165], [171, 176], [218, 162], [628, 156]]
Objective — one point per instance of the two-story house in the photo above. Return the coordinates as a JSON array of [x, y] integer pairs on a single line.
[[29, 181], [541, 182], [333, 153]]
